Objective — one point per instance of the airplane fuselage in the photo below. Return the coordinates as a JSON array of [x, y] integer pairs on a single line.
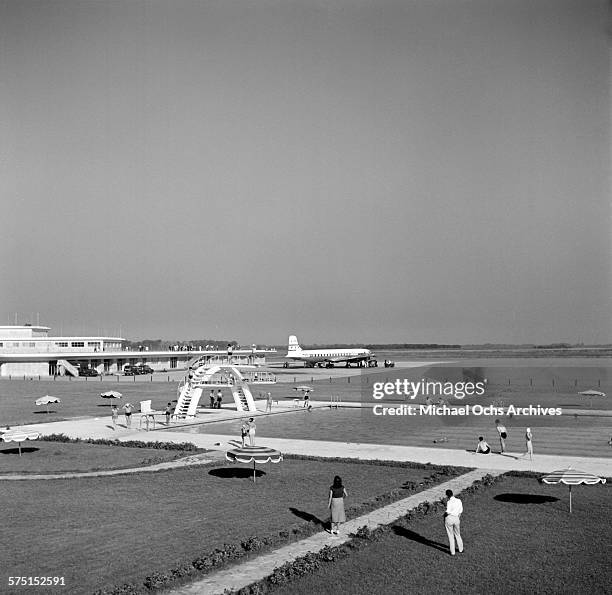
[[313, 357]]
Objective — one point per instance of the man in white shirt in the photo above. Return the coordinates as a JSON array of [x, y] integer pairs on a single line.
[[454, 508]]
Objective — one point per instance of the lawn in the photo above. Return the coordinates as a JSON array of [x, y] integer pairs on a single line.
[[44, 457], [107, 531], [519, 538]]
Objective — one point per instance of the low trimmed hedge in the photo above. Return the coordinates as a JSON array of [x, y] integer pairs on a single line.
[[182, 446], [219, 557], [312, 561]]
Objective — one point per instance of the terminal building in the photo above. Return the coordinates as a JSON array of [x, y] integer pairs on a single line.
[[28, 350]]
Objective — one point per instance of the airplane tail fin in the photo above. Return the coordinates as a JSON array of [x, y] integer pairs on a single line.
[[294, 346]]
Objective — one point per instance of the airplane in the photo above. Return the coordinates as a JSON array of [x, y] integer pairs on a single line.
[[326, 357]]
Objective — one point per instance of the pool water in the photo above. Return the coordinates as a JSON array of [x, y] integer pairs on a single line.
[[579, 436]]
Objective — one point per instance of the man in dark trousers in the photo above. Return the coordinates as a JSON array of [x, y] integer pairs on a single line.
[[219, 398]]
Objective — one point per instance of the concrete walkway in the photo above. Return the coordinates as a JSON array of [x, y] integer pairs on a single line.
[[244, 574], [97, 428]]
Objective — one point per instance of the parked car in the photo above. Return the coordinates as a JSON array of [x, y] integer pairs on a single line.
[[137, 370], [88, 372]]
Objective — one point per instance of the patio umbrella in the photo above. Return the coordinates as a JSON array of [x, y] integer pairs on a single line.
[[111, 394], [19, 436], [572, 477], [256, 454], [592, 393], [46, 400]]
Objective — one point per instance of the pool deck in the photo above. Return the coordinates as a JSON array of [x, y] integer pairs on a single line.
[[97, 428]]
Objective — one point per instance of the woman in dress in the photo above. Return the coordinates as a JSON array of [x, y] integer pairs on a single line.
[[337, 493]]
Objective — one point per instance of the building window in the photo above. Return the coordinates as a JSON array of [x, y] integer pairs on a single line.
[[61, 344], [77, 344], [173, 362]]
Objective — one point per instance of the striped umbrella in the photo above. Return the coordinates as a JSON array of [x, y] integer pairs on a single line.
[[111, 394], [46, 400], [256, 454], [592, 393], [19, 436], [572, 477]]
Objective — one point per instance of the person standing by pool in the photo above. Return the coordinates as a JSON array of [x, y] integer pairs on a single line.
[[269, 403], [452, 522], [168, 413], [114, 416], [244, 432], [337, 494], [219, 398], [503, 434], [127, 408], [529, 444], [251, 427]]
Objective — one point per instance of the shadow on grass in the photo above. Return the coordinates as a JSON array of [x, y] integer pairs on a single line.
[[309, 517], [408, 534], [233, 472], [43, 412], [525, 498], [15, 451]]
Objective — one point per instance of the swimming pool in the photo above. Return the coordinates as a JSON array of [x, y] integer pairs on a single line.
[[580, 436]]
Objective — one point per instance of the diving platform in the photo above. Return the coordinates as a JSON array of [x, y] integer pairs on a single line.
[[223, 375]]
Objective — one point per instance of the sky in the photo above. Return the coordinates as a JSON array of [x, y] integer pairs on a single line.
[[350, 171]]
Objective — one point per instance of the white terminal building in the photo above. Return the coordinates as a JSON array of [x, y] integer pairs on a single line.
[[28, 350]]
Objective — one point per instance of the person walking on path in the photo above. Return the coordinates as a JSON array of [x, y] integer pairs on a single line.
[[114, 416], [212, 399], [168, 413], [127, 408], [219, 398], [337, 494], [529, 444], [452, 522], [251, 429], [503, 434], [269, 403]]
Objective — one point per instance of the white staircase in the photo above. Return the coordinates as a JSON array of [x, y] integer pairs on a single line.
[[243, 397], [67, 367], [187, 404]]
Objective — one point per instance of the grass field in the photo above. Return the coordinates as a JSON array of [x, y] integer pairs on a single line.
[[113, 530], [519, 538], [44, 457]]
